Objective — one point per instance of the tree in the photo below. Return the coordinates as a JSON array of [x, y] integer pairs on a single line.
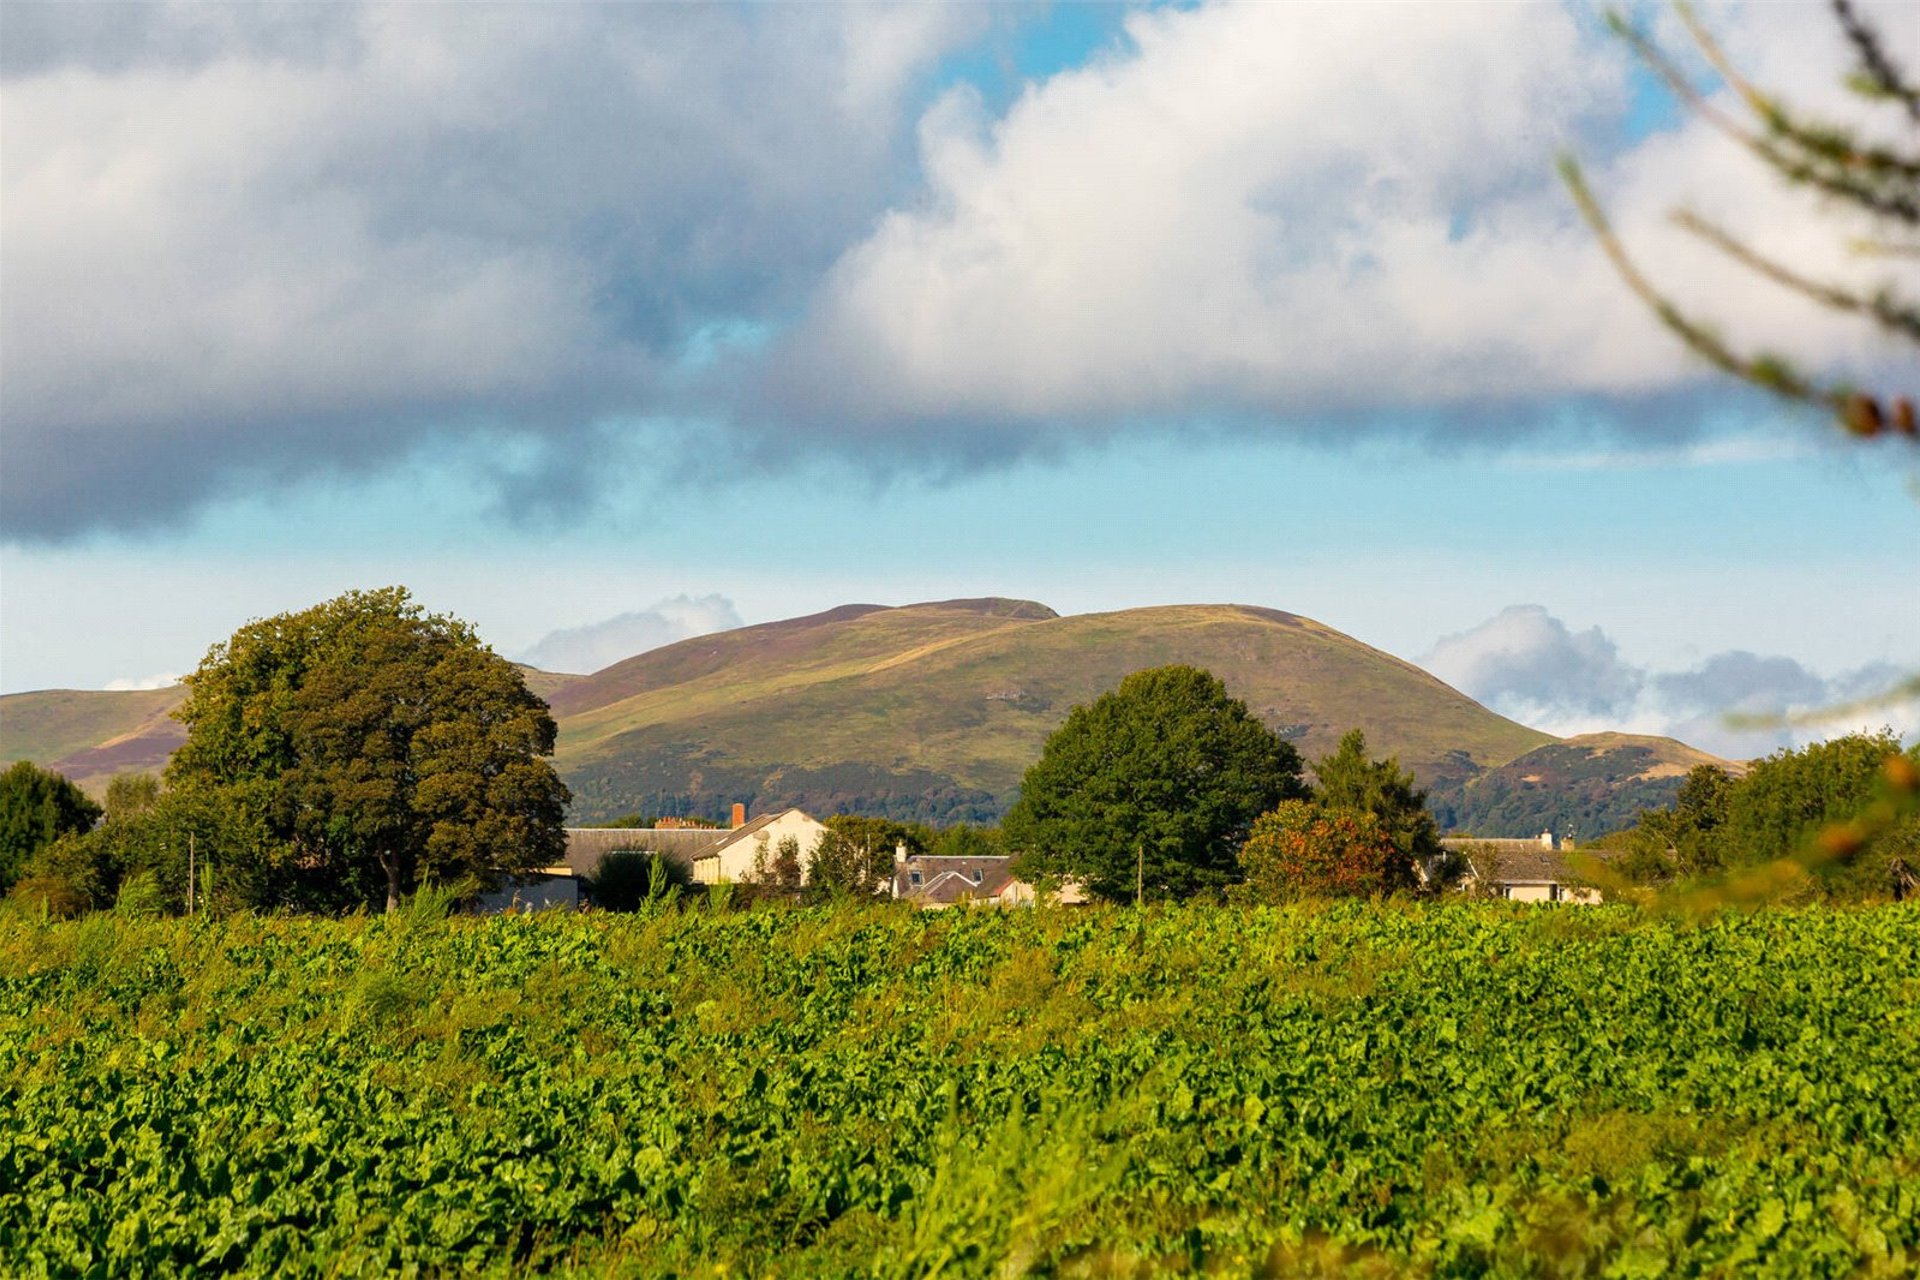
[[1873, 182], [1348, 781], [1155, 783], [379, 746], [628, 879], [855, 856], [1303, 850], [1855, 789], [37, 807]]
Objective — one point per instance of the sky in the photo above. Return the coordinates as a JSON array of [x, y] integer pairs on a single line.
[[605, 325]]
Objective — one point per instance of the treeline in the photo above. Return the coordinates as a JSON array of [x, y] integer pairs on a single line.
[[1839, 817]]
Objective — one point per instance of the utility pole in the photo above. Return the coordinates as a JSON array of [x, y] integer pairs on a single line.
[[189, 873]]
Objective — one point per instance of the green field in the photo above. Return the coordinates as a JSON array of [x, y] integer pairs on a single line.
[[1404, 1090]]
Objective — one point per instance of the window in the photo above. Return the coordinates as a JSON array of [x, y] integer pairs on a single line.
[[913, 877], [976, 875]]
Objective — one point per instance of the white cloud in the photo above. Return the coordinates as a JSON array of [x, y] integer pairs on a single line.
[[601, 644], [165, 679], [1286, 208], [1529, 666]]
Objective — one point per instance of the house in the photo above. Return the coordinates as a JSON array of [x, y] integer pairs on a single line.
[[711, 855], [1534, 870], [936, 882]]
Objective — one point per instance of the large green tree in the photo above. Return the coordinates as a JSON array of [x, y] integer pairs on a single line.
[[381, 746], [1156, 783], [37, 807]]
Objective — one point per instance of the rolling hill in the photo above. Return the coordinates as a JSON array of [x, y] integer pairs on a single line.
[[934, 711]]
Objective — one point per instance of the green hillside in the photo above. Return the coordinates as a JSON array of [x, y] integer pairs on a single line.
[[1585, 786], [90, 735], [935, 710], [931, 711]]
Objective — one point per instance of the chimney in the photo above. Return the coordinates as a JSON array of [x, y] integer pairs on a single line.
[[1546, 839], [900, 854], [739, 814]]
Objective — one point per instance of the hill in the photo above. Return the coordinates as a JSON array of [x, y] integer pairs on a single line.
[[1585, 786], [935, 710], [91, 734]]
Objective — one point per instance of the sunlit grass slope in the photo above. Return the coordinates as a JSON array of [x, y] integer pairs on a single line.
[[870, 707]]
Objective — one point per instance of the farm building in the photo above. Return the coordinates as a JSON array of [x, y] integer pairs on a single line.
[[1534, 870], [711, 855]]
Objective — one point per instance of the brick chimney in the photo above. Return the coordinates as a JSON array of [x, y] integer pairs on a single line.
[[739, 815]]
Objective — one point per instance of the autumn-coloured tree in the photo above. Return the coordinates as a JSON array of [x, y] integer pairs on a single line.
[[1300, 850]]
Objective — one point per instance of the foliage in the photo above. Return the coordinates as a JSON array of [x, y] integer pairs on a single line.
[[380, 746], [628, 879], [1865, 180], [1780, 812], [1304, 850], [966, 841], [1160, 778], [37, 807], [855, 856], [1328, 1089], [1349, 781], [780, 869]]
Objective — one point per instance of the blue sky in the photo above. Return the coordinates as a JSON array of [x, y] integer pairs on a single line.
[[795, 305]]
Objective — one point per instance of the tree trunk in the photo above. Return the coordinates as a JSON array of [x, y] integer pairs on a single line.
[[392, 867]]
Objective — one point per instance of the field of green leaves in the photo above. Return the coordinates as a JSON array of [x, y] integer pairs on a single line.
[[1445, 1090]]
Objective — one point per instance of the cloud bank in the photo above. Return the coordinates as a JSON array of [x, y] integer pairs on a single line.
[[244, 245], [587, 649], [1529, 666]]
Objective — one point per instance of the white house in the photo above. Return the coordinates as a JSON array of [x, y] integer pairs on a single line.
[[711, 855], [1534, 870]]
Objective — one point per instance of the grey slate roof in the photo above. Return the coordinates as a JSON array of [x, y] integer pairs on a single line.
[[947, 880]]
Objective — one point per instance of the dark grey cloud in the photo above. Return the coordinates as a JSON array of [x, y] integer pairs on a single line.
[[249, 242], [241, 244]]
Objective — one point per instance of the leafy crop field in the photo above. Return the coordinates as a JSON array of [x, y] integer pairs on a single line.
[[1421, 1090]]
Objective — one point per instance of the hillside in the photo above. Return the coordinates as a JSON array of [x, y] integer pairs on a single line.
[[90, 735], [1587, 786], [935, 710]]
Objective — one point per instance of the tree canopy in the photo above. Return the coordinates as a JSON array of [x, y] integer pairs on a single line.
[[37, 807], [1349, 780], [380, 746], [1161, 778], [1720, 824], [1304, 850]]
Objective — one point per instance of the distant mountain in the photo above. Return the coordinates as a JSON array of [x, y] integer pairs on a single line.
[[1584, 786], [934, 711]]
